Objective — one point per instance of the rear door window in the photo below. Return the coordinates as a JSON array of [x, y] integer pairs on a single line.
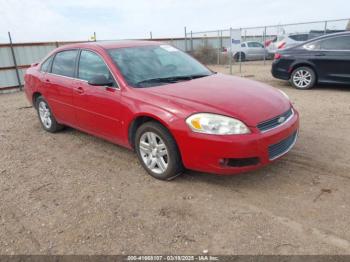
[[64, 63], [336, 43], [341, 43], [46, 66]]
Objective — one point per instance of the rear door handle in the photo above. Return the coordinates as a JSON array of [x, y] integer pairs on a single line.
[[79, 90]]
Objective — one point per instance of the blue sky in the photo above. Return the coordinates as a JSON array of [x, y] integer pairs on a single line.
[[50, 20]]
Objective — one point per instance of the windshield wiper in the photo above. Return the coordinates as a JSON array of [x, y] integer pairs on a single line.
[[198, 76], [170, 79]]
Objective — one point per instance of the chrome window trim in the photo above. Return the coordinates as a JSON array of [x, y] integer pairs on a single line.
[[73, 78], [287, 120]]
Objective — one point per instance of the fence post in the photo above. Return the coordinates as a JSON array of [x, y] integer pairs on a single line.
[[218, 42], [191, 42], [185, 39], [240, 53], [264, 41], [15, 62], [230, 51], [95, 37], [221, 41], [150, 35], [325, 27]]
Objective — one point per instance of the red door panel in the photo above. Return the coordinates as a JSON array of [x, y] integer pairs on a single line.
[[59, 93], [98, 110]]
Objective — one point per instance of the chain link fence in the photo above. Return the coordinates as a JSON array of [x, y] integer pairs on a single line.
[[258, 44], [213, 48]]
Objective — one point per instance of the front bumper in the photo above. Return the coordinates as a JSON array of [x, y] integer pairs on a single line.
[[215, 154]]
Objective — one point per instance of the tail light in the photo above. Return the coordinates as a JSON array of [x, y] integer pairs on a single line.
[[267, 43], [282, 45], [277, 56]]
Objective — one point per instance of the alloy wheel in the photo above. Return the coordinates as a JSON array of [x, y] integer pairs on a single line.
[[302, 78], [154, 152], [45, 114]]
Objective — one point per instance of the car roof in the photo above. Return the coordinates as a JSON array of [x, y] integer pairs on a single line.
[[111, 44], [345, 33]]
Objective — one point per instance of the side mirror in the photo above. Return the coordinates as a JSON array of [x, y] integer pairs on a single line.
[[100, 80]]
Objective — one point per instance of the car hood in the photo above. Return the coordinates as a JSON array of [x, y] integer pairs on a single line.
[[250, 101]]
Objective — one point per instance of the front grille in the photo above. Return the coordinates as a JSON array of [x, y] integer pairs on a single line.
[[276, 121], [282, 147]]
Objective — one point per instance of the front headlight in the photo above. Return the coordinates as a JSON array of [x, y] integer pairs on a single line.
[[216, 124]]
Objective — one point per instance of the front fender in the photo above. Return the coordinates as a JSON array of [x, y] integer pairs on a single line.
[[134, 110]]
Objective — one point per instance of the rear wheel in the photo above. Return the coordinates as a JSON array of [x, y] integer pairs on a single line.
[[46, 117], [239, 57], [157, 151], [303, 78]]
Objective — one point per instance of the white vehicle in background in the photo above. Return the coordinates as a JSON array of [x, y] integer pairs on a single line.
[[285, 41], [249, 50]]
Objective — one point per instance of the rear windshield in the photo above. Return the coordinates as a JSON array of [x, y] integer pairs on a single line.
[[301, 37]]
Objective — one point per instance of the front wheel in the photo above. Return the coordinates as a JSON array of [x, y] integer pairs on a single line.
[[157, 151], [303, 78]]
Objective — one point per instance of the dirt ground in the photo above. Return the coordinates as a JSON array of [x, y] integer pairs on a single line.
[[71, 193]]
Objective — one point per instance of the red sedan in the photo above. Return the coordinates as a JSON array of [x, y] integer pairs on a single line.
[[157, 100]]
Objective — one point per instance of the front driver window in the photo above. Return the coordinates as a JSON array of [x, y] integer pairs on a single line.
[[254, 44], [91, 65]]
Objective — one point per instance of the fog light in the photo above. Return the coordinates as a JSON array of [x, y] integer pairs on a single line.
[[239, 162], [223, 162]]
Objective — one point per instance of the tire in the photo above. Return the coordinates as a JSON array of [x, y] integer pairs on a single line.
[[303, 78], [150, 140], [46, 118], [236, 57]]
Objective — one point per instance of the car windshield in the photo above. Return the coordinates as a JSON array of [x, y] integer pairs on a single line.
[[156, 65]]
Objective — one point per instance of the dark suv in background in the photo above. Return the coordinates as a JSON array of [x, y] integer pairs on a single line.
[[325, 59]]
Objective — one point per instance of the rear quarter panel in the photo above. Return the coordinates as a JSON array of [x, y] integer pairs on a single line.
[[32, 82]]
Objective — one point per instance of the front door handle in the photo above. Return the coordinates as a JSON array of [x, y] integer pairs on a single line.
[[79, 90]]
